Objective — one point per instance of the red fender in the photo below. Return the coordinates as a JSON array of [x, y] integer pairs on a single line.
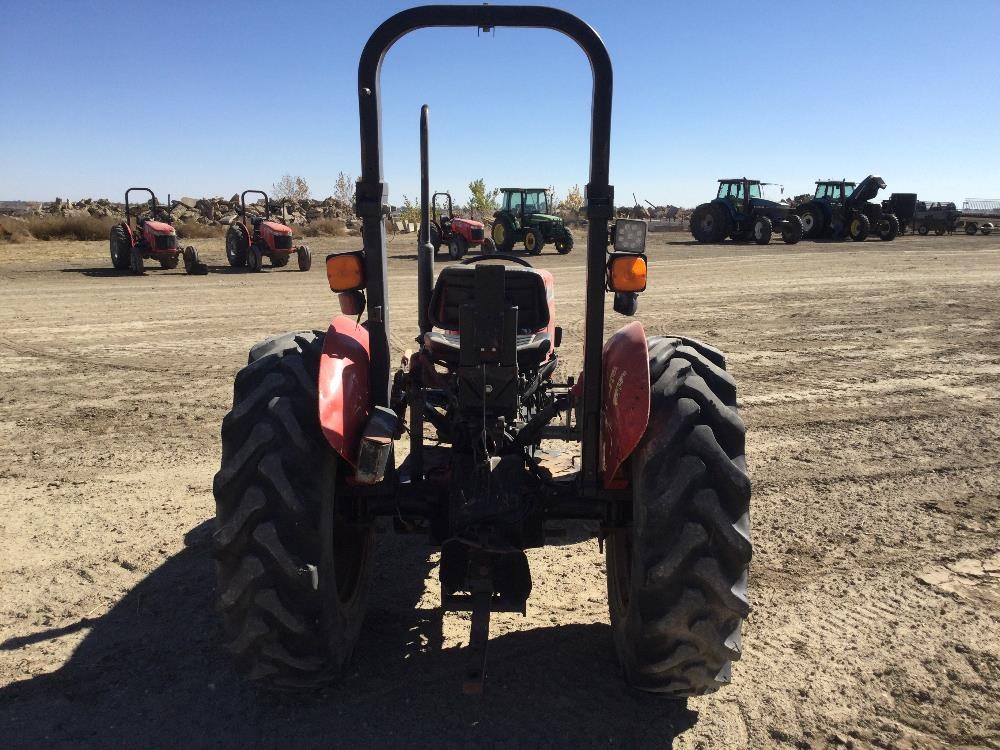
[[624, 399], [344, 386]]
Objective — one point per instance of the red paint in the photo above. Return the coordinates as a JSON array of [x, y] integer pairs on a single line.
[[343, 386], [267, 231], [624, 399], [464, 227]]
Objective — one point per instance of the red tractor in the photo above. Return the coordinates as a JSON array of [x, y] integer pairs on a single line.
[[248, 246], [447, 229], [149, 239], [309, 465]]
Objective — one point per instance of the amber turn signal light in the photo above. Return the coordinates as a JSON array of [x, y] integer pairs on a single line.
[[346, 271], [627, 272]]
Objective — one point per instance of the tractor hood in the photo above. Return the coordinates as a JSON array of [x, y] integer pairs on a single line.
[[158, 227], [471, 223], [276, 227], [546, 217], [773, 208], [867, 189]]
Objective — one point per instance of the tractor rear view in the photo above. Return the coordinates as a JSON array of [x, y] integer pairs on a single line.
[[148, 238], [247, 246], [308, 463]]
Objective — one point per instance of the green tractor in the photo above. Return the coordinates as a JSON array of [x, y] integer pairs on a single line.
[[525, 217]]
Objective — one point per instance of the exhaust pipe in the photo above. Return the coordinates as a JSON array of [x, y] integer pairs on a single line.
[[425, 251]]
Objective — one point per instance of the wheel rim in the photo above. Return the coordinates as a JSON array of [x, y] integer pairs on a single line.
[[529, 242], [758, 230], [498, 233], [807, 222], [707, 222]]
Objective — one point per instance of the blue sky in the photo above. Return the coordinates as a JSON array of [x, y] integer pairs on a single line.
[[208, 98]]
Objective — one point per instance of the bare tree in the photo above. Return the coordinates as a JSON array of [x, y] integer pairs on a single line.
[[344, 188], [294, 188]]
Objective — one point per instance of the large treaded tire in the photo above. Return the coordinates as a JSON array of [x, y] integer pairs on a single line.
[[237, 243], [710, 223], [121, 248], [677, 575], [291, 595]]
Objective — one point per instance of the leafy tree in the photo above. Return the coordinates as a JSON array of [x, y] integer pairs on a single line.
[[573, 201], [483, 201], [293, 188], [344, 188], [409, 211]]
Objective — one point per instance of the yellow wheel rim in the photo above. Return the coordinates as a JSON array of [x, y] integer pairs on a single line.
[[498, 233], [529, 241]]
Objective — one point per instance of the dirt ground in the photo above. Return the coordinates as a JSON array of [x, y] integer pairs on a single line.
[[869, 383]]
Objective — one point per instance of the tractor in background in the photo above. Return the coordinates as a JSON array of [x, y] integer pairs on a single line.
[[740, 212], [150, 239], [525, 215], [308, 460], [844, 209], [454, 232], [246, 247]]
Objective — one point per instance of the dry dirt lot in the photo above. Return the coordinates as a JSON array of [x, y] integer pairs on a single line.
[[869, 377]]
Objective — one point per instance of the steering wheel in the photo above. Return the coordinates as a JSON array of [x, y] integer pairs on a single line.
[[498, 256]]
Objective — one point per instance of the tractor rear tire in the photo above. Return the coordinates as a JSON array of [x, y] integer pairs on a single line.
[[135, 264], [970, 229], [304, 257], [762, 230], [121, 248], [563, 246], [890, 231], [533, 241], [293, 570], [236, 246], [255, 259], [677, 574], [791, 230], [858, 227], [813, 222], [193, 264], [503, 234], [434, 235], [710, 223], [457, 248]]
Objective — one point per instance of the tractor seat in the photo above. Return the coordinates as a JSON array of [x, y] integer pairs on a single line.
[[524, 288], [532, 348]]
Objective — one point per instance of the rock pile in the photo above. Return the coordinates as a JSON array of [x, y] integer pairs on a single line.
[[210, 211]]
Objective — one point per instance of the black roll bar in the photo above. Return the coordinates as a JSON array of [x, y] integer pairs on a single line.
[[372, 191]]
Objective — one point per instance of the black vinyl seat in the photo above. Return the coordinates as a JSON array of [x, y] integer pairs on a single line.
[[523, 289]]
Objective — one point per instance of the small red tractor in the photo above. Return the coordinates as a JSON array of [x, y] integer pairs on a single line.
[[456, 233], [149, 239], [309, 463], [248, 246]]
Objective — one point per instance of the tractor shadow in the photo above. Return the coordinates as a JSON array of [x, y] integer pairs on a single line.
[[100, 273], [151, 673]]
